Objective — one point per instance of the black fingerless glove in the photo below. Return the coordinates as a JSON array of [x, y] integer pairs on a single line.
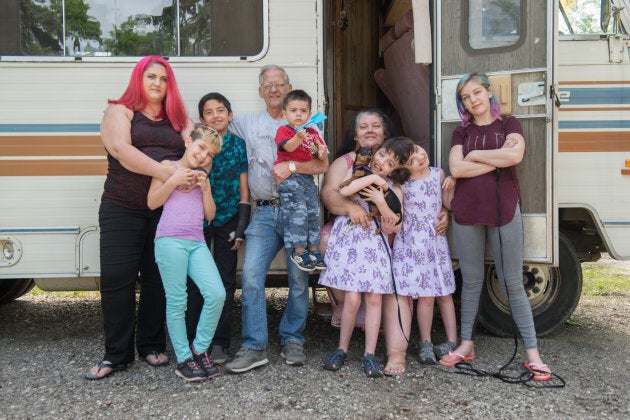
[[244, 210]]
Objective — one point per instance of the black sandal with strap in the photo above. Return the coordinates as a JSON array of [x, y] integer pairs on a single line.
[[371, 367], [335, 360], [156, 354], [104, 365]]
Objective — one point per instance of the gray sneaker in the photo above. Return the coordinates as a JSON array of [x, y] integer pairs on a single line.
[[293, 353], [218, 354], [444, 348], [247, 359], [426, 356]]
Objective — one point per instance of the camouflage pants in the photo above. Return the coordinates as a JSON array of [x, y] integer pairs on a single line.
[[300, 211]]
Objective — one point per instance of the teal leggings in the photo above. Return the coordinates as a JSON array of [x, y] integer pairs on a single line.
[[177, 258]]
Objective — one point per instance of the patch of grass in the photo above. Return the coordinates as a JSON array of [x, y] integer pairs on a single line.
[[73, 294], [604, 281]]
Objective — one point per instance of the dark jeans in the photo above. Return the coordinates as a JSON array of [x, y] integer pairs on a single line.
[[126, 243], [225, 260]]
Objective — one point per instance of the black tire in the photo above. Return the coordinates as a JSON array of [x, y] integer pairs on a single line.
[[12, 289], [553, 293]]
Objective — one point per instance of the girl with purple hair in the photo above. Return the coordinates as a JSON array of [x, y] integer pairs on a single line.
[[485, 150]]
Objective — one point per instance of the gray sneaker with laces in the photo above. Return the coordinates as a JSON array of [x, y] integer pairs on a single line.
[[218, 354], [293, 353], [247, 359], [191, 371]]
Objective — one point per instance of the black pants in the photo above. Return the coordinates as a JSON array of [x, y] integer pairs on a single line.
[[127, 251], [226, 260]]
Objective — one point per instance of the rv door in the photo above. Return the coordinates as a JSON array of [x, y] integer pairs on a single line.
[[511, 41]]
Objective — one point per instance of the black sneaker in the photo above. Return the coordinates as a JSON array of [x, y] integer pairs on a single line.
[[303, 261], [191, 371], [204, 360], [318, 260]]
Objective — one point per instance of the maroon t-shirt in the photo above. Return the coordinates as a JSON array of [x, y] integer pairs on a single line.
[[156, 139], [475, 199]]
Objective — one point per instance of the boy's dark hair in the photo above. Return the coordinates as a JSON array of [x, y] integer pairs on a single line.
[[299, 95], [213, 96], [402, 148]]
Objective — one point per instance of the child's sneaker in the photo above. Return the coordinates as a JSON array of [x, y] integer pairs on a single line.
[[318, 260], [191, 371], [204, 360], [303, 261], [444, 348]]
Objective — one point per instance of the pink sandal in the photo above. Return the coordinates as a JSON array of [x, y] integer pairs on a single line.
[[456, 358], [540, 371]]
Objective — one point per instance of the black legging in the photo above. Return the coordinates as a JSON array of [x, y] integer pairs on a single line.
[[126, 243]]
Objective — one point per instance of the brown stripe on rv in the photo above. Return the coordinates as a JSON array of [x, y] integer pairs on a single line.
[[60, 167], [51, 146], [609, 141]]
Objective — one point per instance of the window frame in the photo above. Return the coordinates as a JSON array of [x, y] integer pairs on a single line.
[[465, 33], [134, 59]]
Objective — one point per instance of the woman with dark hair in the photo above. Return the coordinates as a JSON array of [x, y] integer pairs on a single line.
[[146, 126], [485, 150], [370, 128]]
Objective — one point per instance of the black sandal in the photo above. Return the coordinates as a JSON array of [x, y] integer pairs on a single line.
[[371, 367], [104, 365], [335, 360], [156, 354]]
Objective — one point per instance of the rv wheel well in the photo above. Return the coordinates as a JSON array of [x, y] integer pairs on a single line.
[[578, 225]]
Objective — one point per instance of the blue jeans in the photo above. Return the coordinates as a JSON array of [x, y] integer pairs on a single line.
[[264, 239], [176, 259]]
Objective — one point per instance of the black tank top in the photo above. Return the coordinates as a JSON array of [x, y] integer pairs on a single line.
[[156, 139]]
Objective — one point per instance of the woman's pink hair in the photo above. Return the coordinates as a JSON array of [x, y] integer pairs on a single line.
[[135, 98]]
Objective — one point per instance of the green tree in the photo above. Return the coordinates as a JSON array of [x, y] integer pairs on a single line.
[[143, 35], [42, 30], [79, 25]]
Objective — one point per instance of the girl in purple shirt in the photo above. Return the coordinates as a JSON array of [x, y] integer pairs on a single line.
[[181, 250]]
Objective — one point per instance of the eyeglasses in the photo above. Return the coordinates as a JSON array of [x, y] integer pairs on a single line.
[[270, 86]]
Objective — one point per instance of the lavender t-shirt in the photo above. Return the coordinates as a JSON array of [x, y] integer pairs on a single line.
[[182, 216]]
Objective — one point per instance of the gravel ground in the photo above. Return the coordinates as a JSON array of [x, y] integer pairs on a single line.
[[48, 341]]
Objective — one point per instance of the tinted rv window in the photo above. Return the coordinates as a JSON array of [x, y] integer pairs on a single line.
[[118, 28], [494, 24]]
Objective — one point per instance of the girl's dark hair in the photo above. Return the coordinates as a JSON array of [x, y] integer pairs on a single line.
[[402, 148], [214, 96]]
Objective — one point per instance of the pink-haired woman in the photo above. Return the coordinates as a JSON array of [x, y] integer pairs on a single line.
[[146, 126]]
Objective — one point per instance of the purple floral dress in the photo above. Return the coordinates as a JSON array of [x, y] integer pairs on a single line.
[[358, 260], [421, 258]]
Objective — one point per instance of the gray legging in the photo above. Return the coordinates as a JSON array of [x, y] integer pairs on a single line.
[[507, 250]]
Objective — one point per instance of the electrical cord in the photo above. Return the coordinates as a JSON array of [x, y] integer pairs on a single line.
[[526, 378], [391, 267]]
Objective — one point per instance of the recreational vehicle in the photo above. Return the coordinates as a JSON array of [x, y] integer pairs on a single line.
[[560, 66]]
